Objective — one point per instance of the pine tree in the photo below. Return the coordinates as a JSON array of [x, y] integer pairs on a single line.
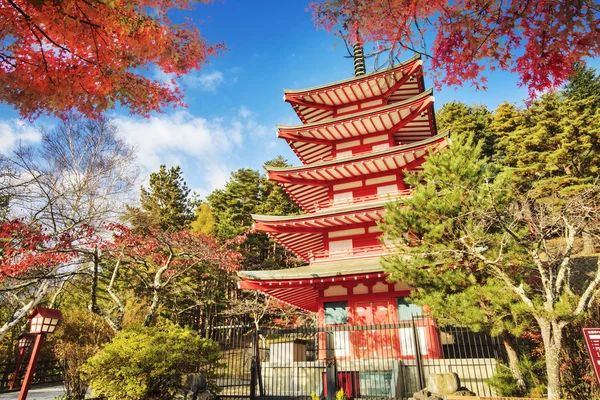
[[204, 222], [248, 192], [166, 202], [472, 225], [464, 120]]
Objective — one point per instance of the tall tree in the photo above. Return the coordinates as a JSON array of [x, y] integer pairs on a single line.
[[470, 221], [155, 264], [464, 120], [539, 41], [58, 56], [63, 191], [166, 202], [205, 221], [247, 193]]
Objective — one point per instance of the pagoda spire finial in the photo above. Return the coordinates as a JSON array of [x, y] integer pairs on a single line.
[[359, 54], [359, 59]]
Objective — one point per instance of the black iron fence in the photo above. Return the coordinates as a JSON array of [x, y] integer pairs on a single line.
[[46, 371], [369, 361]]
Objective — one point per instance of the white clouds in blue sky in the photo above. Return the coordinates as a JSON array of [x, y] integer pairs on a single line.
[[14, 132], [207, 149]]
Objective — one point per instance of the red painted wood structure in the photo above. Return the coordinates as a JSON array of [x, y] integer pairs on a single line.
[[357, 140]]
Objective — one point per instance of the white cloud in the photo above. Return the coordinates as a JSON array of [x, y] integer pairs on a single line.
[[13, 132], [206, 149], [244, 112], [207, 82]]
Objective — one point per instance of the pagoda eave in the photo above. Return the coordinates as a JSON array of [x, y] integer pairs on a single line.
[[438, 140], [327, 101], [301, 286], [422, 100]]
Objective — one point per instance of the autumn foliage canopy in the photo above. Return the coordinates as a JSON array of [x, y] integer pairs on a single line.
[[26, 249], [539, 40], [58, 56]]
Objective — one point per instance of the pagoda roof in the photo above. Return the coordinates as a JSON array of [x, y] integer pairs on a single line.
[[397, 83], [297, 286], [309, 185], [409, 120], [304, 234]]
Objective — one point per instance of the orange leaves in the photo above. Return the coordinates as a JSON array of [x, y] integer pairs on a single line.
[[75, 55], [538, 40]]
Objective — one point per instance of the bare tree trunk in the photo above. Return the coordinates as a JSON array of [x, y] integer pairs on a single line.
[[153, 307], [24, 311], [552, 336], [588, 243], [116, 322], [513, 360]]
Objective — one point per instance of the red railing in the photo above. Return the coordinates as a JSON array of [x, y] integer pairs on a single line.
[[355, 252], [364, 199]]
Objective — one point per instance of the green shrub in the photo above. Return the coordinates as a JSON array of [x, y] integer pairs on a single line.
[[148, 362], [80, 336], [533, 372]]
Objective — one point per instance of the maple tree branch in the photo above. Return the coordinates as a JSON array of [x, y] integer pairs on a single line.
[[30, 21]]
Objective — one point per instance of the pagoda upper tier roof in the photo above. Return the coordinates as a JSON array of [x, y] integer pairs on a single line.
[[327, 101], [304, 234], [298, 286], [409, 120], [309, 185]]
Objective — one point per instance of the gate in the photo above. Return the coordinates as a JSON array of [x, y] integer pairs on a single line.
[[371, 361]]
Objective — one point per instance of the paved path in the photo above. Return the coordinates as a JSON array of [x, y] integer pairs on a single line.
[[37, 392]]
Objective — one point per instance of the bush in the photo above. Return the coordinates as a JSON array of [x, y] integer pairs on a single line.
[[148, 362], [79, 337]]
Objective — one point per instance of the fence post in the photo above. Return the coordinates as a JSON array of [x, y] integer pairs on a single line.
[[330, 369], [259, 379], [252, 379], [418, 356]]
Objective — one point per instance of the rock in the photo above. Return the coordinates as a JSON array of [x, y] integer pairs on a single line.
[[195, 382], [421, 395], [207, 395], [193, 387], [443, 383], [463, 391]]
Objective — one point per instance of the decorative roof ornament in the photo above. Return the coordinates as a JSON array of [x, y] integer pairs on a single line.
[[359, 59]]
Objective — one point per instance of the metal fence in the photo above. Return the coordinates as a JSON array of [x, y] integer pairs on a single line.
[[46, 371], [370, 361]]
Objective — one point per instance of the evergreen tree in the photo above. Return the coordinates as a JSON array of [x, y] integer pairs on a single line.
[[555, 146], [472, 223], [584, 84], [166, 203], [464, 121], [204, 222], [247, 193]]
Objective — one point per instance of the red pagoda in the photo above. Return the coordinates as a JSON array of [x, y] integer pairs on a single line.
[[357, 140]]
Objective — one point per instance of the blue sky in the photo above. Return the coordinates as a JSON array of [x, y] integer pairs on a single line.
[[235, 101]]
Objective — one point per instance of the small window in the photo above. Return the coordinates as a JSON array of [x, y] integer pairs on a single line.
[[336, 313], [406, 310]]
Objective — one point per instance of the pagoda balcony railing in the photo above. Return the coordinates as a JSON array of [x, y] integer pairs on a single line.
[[355, 252], [364, 199]]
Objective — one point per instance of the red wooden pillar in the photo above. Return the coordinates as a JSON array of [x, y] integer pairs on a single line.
[[37, 346], [17, 368]]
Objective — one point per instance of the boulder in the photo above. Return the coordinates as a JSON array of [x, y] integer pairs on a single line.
[[194, 387], [447, 383], [207, 395], [463, 391], [195, 382], [425, 395]]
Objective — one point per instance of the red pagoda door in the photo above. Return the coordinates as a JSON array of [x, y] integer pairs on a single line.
[[372, 342]]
